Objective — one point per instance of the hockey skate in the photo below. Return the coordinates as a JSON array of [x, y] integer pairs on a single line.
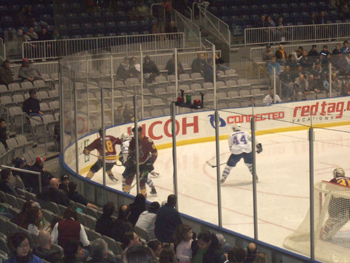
[[112, 178], [153, 191], [154, 174], [222, 181]]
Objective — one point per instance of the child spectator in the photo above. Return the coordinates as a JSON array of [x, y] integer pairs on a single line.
[[183, 239]]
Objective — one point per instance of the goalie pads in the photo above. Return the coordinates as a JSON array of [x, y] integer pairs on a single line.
[[259, 148]]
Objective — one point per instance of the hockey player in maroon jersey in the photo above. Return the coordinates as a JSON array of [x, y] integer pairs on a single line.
[[110, 154], [147, 156], [339, 208]]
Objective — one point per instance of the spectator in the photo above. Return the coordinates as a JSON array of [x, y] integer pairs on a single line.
[[118, 115], [273, 65], [30, 181], [55, 35], [150, 70], [43, 249], [345, 90], [336, 51], [21, 216], [313, 54], [143, 10], [43, 35], [300, 71], [270, 98], [341, 65], [208, 71], [135, 68], [5, 184], [156, 247], [136, 208], [167, 8], [76, 197], [45, 175], [34, 221], [171, 28], [183, 240], [57, 132], [222, 242], [317, 72], [30, 35], [158, 28], [139, 254], [219, 62], [198, 64], [313, 84], [132, 14], [345, 50], [293, 65], [122, 225], [19, 243], [312, 20], [147, 219], [301, 87], [53, 194], [74, 252], [267, 54], [31, 106], [305, 61], [69, 229], [128, 114], [322, 19], [3, 133], [99, 250], [64, 184], [281, 28], [167, 256], [6, 74], [298, 54], [337, 85], [325, 55], [237, 254], [55, 220], [281, 55], [262, 21], [275, 33], [130, 239], [27, 72], [170, 66], [105, 223], [252, 251], [206, 249], [123, 71], [168, 219], [344, 10], [261, 258], [287, 78]]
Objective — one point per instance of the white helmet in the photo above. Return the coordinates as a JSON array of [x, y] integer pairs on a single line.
[[125, 137], [338, 172], [236, 127]]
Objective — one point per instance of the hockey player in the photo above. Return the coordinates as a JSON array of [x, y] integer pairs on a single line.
[[147, 156], [338, 209], [110, 154], [240, 148]]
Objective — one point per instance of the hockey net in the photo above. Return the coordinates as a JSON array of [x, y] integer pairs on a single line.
[[331, 224]]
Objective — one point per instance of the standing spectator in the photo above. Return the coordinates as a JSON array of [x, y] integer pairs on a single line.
[[123, 71], [128, 114], [171, 28], [99, 249], [31, 106], [322, 19], [74, 252], [345, 50], [3, 132], [147, 219], [275, 33], [183, 240], [43, 249], [76, 197], [6, 74], [301, 87], [104, 224], [287, 78], [273, 65], [168, 219], [281, 28], [5, 184], [267, 54], [150, 70], [270, 98], [170, 66], [53, 194], [64, 184], [136, 208], [325, 56], [313, 54], [262, 21], [143, 10], [198, 64], [167, 8], [27, 72], [206, 249], [19, 242], [252, 251], [281, 55], [237, 254]]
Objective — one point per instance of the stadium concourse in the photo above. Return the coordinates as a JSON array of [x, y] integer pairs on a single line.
[[283, 188]]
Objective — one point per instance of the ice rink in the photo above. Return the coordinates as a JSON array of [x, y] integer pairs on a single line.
[[283, 188]]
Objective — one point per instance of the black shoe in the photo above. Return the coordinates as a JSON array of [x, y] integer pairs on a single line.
[[153, 191]]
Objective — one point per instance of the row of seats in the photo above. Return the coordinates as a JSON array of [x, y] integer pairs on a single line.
[[18, 99]]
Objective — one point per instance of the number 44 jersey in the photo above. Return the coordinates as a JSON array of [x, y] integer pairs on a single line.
[[110, 151], [239, 142]]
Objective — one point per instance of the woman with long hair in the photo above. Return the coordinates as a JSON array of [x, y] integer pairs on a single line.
[[34, 220]]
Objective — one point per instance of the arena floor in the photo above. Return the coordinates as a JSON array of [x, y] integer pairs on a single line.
[[283, 188]]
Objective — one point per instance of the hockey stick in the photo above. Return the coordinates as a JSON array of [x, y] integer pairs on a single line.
[[145, 173], [98, 156], [213, 166]]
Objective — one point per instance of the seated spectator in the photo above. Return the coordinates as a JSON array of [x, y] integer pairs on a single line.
[[53, 194], [74, 252], [281, 55], [132, 14], [28, 72], [206, 249], [170, 66], [21, 216], [298, 54], [267, 54], [35, 221], [55, 35], [135, 68], [156, 247], [262, 21], [46, 176], [208, 71], [122, 225], [44, 36], [30, 35], [5, 184], [198, 64], [273, 31], [325, 56], [136, 208], [305, 61], [150, 70], [273, 64], [345, 50], [183, 240], [167, 220], [293, 65], [76, 197], [123, 71], [20, 245], [19, 162], [313, 84], [312, 20], [237, 254], [158, 28], [301, 87], [118, 115], [345, 90], [336, 51], [219, 62], [105, 224], [317, 72], [6, 74], [337, 85], [69, 229], [341, 65], [313, 54], [99, 249], [171, 28], [128, 114], [322, 19], [270, 98], [139, 253], [167, 256], [3, 132], [143, 10], [261, 258], [64, 184], [31, 106], [252, 251], [287, 78], [147, 219], [130, 239], [43, 248]]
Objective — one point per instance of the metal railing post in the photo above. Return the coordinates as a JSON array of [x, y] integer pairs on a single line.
[[311, 182], [76, 127], [103, 137], [142, 81], [137, 153], [330, 79], [218, 174], [255, 205], [173, 134], [274, 85]]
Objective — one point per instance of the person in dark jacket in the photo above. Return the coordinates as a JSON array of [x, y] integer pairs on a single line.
[[198, 64], [122, 225], [6, 74], [64, 184], [124, 70], [53, 194], [3, 133], [31, 106], [43, 249], [150, 70], [136, 208], [251, 253], [76, 197], [105, 223], [168, 219], [46, 176], [206, 249], [237, 254], [170, 66], [5, 184]]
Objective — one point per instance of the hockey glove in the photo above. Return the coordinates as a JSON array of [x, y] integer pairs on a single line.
[[86, 152], [259, 148]]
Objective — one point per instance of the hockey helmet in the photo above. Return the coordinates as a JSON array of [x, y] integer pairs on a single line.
[[139, 129], [338, 172], [236, 127], [125, 137]]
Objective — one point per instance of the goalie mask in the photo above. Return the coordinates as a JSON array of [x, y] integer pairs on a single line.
[[236, 127], [125, 137], [338, 172]]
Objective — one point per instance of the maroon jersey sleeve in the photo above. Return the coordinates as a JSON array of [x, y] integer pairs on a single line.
[[92, 146]]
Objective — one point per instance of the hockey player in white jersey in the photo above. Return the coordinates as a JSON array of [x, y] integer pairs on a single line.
[[240, 147]]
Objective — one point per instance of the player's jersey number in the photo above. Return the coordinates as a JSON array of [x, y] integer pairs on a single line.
[[109, 146], [344, 182], [238, 141]]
